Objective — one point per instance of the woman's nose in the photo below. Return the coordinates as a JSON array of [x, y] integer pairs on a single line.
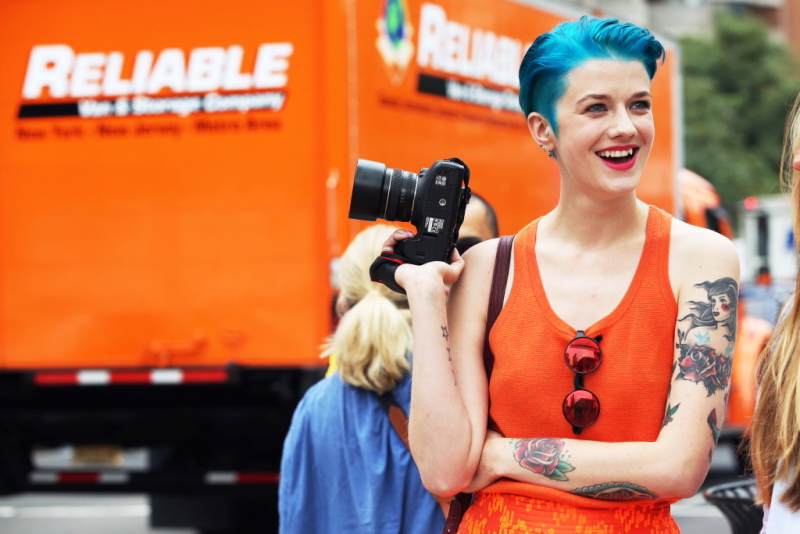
[[623, 126]]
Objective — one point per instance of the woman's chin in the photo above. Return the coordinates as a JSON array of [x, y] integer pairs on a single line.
[[620, 187]]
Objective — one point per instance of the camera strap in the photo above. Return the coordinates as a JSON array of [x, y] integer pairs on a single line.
[[383, 268]]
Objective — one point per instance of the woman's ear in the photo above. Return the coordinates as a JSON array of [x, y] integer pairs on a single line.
[[342, 306], [541, 131]]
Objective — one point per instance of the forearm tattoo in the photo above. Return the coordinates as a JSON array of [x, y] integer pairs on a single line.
[[706, 347], [615, 491], [544, 456], [446, 336]]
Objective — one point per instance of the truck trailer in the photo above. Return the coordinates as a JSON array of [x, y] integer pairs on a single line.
[[174, 188]]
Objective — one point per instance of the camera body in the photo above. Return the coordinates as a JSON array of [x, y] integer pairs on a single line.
[[433, 201]]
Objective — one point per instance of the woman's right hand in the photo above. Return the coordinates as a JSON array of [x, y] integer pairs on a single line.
[[410, 276]]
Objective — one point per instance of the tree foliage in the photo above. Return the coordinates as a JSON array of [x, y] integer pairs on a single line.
[[738, 85]]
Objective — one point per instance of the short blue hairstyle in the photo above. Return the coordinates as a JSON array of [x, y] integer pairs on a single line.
[[554, 54]]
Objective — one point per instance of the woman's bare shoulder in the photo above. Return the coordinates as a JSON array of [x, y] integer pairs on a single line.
[[689, 241], [472, 288], [482, 252], [698, 253]]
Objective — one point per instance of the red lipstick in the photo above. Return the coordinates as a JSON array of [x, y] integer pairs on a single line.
[[620, 166]]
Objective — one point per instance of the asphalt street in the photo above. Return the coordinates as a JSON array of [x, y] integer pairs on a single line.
[[129, 514]]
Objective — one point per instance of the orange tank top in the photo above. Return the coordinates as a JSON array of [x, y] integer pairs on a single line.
[[530, 379]]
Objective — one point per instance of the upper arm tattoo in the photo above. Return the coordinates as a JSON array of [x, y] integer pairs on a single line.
[[669, 413], [706, 348], [712, 422], [545, 456], [670, 408]]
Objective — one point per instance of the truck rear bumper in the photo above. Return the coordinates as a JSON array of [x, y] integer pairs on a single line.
[[218, 437]]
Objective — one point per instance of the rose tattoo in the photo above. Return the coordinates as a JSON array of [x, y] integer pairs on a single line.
[[701, 364], [543, 456]]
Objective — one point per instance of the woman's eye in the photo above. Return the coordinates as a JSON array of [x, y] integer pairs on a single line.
[[595, 108], [641, 104]]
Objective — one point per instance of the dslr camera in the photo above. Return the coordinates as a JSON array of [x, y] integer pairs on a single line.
[[433, 201]]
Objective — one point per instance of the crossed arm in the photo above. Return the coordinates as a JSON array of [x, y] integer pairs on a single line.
[[447, 428]]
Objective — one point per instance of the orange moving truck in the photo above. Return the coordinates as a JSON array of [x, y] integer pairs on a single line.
[[174, 187]]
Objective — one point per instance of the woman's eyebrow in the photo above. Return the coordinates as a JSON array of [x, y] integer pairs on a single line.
[[640, 94], [593, 97]]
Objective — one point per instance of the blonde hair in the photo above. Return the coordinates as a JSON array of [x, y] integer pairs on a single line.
[[373, 338], [775, 429]]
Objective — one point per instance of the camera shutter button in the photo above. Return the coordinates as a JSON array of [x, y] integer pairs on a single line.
[[442, 202]]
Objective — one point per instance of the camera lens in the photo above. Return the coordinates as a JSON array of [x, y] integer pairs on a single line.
[[370, 188], [402, 186], [383, 193]]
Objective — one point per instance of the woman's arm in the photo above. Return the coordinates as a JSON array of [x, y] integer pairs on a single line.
[[449, 401], [677, 462]]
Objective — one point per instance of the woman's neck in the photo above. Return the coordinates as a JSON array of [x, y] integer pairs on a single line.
[[590, 223]]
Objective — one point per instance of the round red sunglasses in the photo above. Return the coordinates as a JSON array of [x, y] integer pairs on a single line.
[[581, 407]]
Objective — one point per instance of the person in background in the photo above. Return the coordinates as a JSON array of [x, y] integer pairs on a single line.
[[775, 428], [344, 468], [480, 224]]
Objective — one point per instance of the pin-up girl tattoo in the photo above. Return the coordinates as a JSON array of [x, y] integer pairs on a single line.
[[707, 345]]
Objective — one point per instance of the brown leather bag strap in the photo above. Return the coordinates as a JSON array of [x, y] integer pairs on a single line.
[[399, 422], [502, 264]]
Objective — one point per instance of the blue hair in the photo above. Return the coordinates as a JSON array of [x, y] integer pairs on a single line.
[[554, 54]]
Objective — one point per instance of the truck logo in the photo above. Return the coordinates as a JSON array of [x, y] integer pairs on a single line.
[[486, 62], [92, 84], [394, 42]]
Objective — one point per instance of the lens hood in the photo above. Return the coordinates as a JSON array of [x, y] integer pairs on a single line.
[[368, 190]]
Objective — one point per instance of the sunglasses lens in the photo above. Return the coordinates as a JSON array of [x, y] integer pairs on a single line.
[[581, 408], [582, 355]]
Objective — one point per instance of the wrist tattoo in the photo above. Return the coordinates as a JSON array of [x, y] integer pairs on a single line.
[[544, 456]]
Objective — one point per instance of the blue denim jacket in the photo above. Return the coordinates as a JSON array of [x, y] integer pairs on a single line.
[[345, 470]]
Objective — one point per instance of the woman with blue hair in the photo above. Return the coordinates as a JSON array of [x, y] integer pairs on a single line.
[[602, 401]]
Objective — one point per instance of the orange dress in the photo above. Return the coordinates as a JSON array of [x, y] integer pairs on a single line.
[[530, 380]]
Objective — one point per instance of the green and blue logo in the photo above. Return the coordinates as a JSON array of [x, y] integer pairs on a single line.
[[394, 42]]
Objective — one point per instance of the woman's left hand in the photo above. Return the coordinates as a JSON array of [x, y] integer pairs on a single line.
[[486, 473]]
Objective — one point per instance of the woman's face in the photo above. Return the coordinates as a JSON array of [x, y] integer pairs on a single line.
[[605, 126], [721, 307]]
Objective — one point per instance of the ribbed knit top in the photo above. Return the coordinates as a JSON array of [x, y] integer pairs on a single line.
[[530, 379]]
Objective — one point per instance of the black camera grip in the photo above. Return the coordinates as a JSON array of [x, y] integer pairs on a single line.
[[383, 268]]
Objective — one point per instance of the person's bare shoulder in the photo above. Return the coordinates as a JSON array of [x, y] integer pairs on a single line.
[[472, 287], [698, 254]]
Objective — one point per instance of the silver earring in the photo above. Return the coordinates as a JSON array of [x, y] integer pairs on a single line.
[[551, 154]]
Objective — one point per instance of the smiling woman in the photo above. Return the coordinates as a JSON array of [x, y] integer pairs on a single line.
[[598, 411]]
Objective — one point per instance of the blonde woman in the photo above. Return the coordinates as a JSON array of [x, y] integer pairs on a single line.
[[344, 467], [775, 445]]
